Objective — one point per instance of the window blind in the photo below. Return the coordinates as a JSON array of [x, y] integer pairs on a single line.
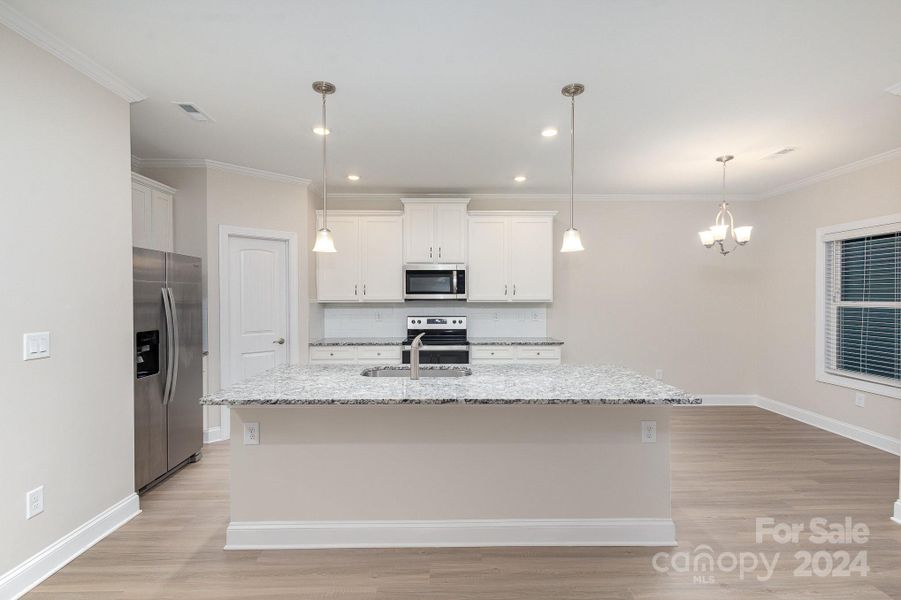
[[863, 307]]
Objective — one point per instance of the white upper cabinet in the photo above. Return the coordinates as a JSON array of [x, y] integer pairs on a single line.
[[151, 214], [511, 256], [368, 264], [435, 230]]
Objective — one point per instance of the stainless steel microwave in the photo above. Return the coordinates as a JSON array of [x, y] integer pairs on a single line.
[[434, 282]]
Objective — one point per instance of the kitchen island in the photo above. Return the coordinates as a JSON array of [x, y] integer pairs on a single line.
[[509, 455]]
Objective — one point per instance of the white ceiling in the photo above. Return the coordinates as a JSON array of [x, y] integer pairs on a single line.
[[451, 96]]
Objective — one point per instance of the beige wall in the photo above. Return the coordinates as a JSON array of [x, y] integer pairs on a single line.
[[247, 201], [786, 243], [645, 294], [65, 239], [362, 463]]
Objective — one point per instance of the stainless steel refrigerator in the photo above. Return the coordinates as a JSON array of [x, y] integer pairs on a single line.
[[168, 322]]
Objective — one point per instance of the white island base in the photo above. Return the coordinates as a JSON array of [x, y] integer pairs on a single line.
[[372, 476]]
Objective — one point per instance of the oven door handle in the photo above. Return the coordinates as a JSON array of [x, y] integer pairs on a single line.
[[435, 347]]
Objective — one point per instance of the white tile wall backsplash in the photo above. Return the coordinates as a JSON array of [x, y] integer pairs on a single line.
[[485, 320]]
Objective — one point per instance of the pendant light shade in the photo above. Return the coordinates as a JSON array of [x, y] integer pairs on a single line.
[[572, 241], [324, 240]]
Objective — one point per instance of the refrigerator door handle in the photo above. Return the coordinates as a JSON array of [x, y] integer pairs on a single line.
[[175, 344], [169, 346]]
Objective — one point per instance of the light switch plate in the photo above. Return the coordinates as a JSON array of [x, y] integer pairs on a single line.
[[860, 399], [36, 345]]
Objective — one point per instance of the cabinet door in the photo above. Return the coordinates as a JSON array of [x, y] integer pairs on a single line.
[[531, 259], [419, 234], [140, 215], [161, 221], [486, 273], [338, 273], [450, 233], [381, 259]]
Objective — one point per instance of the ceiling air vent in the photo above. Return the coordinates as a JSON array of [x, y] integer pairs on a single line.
[[781, 152], [192, 111]]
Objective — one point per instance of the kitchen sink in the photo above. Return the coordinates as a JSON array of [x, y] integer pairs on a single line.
[[423, 372]]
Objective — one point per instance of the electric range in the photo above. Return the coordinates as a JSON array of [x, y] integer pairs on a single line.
[[444, 341]]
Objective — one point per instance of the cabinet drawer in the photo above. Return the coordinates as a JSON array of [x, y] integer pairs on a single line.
[[491, 352], [539, 353], [378, 353], [333, 353]]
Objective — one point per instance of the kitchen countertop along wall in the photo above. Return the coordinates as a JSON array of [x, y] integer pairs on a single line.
[[397, 341]]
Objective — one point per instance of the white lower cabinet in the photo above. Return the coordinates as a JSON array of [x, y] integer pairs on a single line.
[[348, 355], [511, 256], [548, 355]]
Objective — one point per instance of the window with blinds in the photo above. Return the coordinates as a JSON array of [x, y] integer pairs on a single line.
[[862, 319]]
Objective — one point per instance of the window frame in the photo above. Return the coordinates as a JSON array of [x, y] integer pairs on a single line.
[[855, 229]]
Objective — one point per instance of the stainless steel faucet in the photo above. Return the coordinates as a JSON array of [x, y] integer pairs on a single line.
[[414, 356]]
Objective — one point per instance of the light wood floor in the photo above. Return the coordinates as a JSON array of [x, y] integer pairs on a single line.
[[730, 465]]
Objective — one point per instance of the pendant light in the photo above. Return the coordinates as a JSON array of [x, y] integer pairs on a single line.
[[572, 241], [324, 240], [724, 223]]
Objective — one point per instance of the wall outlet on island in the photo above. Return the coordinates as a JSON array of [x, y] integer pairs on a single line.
[[648, 432], [860, 399], [251, 434], [658, 374]]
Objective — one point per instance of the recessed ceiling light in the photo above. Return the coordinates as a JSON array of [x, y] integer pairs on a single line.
[[354, 177], [519, 178], [549, 131], [319, 131], [894, 89]]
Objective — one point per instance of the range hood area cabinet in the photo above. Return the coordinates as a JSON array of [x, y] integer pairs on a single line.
[[511, 256], [368, 266], [151, 214], [434, 230]]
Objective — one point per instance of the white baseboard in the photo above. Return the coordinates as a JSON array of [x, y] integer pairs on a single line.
[[853, 432], [897, 517], [214, 434], [270, 535], [19, 580]]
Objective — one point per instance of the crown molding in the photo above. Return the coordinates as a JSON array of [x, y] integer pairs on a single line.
[[195, 163], [79, 61], [534, 197], [833, 173], [137, 177]]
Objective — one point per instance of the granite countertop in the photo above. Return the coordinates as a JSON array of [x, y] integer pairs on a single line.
[[358, 341], [475, 341], [515, 341], [488, 384]]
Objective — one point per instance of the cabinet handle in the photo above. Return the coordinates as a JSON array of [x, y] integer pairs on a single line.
[[430, 252], [355, 289], [505, 289], [439, 251], [514, 289], [364, 289], [492, 354], [331, 353]]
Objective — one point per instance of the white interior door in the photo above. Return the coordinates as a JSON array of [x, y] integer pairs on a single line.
[[257, 306]]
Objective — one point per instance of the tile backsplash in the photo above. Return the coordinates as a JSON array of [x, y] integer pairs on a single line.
[[484, 320]]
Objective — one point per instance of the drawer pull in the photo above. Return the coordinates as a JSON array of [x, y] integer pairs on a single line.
[[331, 353]]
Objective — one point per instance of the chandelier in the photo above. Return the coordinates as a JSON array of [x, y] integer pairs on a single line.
[[724, 224]]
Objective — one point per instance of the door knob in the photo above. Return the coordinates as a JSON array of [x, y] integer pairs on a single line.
[[279, 341]]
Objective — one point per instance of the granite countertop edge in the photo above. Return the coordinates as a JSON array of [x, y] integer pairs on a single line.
[[399, 341]]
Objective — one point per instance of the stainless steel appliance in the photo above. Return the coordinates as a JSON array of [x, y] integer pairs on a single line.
[[443, 340], [168, 322], [435, 282]]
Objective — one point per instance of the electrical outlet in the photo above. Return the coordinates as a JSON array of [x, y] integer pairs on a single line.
[[251, 434], [648, 432], [658, 374], [860, 399], [534, 315], [496, 316], [378, 316], [34, 502]]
